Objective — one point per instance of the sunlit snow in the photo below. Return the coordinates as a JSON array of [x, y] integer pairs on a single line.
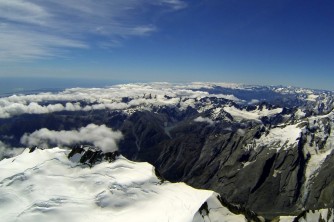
[[46, 186]]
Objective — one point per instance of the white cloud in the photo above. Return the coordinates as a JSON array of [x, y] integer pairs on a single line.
[[29, 44], [241, 132], [72, 107], [204, 120], [22, 11], [175, 4], [141, 96], [13, 109], [254, 101], [34, 29], [101, 136]]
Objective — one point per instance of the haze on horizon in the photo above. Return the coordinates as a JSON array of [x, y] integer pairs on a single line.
[[287, 42]]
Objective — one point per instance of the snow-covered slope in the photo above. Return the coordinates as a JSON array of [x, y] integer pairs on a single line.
[[322, 215], [317, 215], [47, 186], [209, 212], [251, 115]]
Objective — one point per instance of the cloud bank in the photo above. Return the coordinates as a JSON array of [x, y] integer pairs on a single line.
[[100, 136], [33, 29], [139, 96]]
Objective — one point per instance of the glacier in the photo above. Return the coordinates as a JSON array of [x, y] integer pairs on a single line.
[[45, 185]]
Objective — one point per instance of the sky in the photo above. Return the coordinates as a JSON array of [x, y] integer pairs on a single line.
[[264, 42]]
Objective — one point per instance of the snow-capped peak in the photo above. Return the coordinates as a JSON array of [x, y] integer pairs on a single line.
[[46, 185]]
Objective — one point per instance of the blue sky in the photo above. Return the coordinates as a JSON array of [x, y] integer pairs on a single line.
[[271, 42]]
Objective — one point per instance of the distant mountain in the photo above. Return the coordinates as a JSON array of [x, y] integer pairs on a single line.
[[264, 149]]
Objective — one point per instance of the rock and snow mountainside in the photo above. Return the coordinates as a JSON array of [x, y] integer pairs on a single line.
[[47, 186], [267, 150]]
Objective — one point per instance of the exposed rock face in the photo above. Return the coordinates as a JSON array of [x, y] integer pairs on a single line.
[[321, 191], [91, 155], [251, 164], [212, 210]]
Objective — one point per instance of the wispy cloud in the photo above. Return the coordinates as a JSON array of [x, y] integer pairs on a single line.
[[175, 4], [32, 29], [22, 11], [30, 44]]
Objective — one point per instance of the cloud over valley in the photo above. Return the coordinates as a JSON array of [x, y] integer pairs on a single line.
[[100, 136]]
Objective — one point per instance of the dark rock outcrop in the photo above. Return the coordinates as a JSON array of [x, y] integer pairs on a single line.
[[91, 155]]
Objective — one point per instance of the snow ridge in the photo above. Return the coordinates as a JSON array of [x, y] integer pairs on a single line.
[[47, 186]]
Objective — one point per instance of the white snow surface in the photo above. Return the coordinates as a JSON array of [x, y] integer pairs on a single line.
[[300, 114], [286, 136], [325, 214], [278, 138], [214, 213], [318, 156], [312, 97], [256, 114], [46, 186], [286, 218]]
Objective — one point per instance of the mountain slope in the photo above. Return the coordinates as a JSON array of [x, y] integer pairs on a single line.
[[265, 149], [47, 186]]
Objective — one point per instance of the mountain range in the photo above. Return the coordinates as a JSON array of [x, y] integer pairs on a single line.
[[266, 152]]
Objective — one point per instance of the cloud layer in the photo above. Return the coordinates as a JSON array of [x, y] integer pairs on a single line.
[[32, 29], [100, 136], [140, 96]]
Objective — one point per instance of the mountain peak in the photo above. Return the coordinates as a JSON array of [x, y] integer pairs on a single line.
[[47, 185]]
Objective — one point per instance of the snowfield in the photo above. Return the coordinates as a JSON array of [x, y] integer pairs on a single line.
[[251, 115], [46, 186]]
